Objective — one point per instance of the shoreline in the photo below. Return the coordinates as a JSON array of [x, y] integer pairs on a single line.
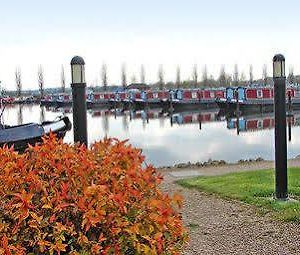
[[210, 162], [214, 167]]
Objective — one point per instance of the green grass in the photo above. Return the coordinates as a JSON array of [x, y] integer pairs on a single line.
[[253, 187]]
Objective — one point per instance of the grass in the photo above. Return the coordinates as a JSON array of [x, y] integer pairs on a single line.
[[253, 187]]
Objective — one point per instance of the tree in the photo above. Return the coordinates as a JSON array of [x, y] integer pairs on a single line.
[[104, 76], [178, 80], [161, 77], [143, 75], [243, 78], [291, 77], [265, 75], [41, 80], [236, 75], [123, 76], [133, 78], [251, 74], [18, 81], [204, 76], [195, 75], [222, 77], [63, 79]]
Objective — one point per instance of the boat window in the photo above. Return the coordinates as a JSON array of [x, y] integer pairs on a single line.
[[212, 94], [179, 94], [155, 95], [259, 124], [259, 93], [194, 95]]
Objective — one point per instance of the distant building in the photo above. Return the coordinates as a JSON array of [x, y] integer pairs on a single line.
[[140, 86]]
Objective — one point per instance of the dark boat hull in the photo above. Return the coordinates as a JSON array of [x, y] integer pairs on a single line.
[[20, 136], [192, 105], [96, 105]]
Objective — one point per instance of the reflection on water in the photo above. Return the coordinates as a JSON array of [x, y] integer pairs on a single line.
[[20, 114], [167, 139]]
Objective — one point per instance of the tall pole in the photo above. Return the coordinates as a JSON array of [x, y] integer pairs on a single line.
[[79, 100], [280, 127]]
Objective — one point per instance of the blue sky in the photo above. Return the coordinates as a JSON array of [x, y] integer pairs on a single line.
[[153, 32]]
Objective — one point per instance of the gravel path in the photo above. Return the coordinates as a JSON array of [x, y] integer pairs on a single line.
[[222, 227]]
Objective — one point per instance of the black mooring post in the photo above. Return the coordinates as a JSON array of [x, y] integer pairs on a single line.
[[200, 122], [290, 128], [237, 102], [171, 109], [79, 100], [289, 103], [280, 127]]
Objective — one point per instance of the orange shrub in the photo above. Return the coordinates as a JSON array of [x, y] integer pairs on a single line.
[[58, 198]]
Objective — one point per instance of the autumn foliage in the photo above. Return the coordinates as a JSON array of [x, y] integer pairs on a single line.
[[58, 198]]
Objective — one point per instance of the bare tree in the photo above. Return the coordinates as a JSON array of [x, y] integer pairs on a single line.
[[104, 76], [222, 77], [205, 76], [265, 75], [291, 77], [63, 79], [236, 75], [123, 76], [143, 75], [18, 81], [195, 75], [251, 74], [41, 80], [243, 78], [133, 78], [178, 80], [161, 77]]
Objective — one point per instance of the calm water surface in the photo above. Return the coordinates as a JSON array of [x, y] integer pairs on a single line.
[[186, 136]]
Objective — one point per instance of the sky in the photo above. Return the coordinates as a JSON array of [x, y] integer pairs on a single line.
[[158, 32]]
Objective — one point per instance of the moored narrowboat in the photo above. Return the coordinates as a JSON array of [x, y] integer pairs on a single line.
[[97, 100], [22, 135], [64, 100], [191, 98], [254, 99]]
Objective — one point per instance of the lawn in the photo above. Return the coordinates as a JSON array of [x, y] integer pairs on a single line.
[[253, 187]]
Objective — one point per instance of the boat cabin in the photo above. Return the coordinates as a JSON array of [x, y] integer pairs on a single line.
[[254, 93]]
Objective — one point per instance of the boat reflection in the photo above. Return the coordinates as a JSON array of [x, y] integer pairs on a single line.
[[20, 114], [265, 121], [186, 117]]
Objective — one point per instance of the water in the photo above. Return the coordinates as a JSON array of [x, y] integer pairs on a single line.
[[182, 138]]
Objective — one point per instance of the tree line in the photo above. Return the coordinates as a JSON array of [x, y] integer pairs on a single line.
[[224, 79]]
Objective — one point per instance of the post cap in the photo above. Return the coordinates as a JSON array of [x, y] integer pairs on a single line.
[[278, 58], [77, 60]]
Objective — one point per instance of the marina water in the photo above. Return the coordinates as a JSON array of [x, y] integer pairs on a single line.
[[187, 136]]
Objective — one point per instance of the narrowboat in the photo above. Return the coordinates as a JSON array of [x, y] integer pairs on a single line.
[[22, 135], [98, 100], [49, 100], [63, 100], [152, 99], [253, 99], [195, 98], [117, 98], [7, 100], [132, 99]]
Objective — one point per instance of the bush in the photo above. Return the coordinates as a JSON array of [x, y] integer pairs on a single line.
[[58, 198]]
